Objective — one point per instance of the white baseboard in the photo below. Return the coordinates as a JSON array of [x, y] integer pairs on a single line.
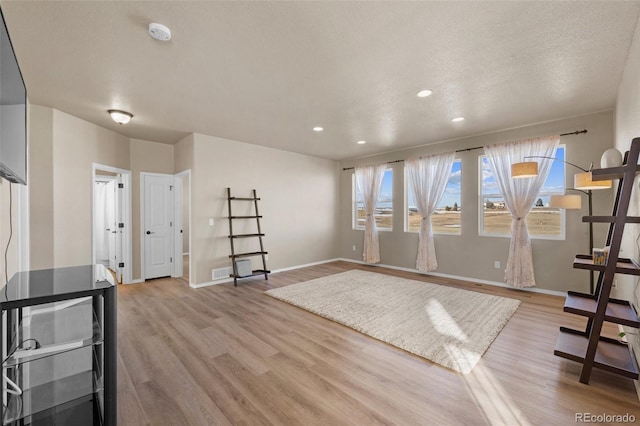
[[138, 281], [209, 283], [398, 268], [291, 268], [275, 271], [457, 277], [185, 254]]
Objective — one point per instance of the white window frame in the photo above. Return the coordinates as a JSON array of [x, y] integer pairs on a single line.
[[354, 204], [406, 205], [481, 197]]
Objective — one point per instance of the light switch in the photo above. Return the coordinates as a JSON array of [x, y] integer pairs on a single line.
[[211, 221]]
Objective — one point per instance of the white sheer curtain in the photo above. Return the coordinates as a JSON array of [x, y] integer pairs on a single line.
[[519, 196], [369, 181], [428, 177]]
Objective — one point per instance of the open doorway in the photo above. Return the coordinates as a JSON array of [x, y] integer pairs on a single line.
[[111, 214]]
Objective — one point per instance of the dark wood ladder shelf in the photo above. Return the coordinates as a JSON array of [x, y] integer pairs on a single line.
[[589, 347], [232, 237]]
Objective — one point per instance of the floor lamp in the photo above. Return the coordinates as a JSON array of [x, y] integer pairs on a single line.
[[574, 202], [582, 183]]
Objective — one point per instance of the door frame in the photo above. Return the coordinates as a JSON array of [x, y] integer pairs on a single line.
[[127, 244], [179, 177]]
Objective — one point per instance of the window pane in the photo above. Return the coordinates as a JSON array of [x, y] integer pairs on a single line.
[[446, 219], [542, 220], [384, 207]]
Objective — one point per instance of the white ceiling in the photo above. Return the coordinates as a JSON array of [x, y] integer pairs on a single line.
[[267, 72]]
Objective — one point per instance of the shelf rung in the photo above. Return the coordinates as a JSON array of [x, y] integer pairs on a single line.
[[624, 266], [253, 274], [244, 199], [245, 217], [614, 357], [609, 219], [611, 172], [253, 253], [618, 311], [246, 235]]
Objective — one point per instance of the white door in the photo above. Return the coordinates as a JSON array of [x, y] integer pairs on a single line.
[[158, 226], [178, 228]]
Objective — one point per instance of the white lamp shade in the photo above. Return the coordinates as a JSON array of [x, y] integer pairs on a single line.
[[583, 181], [565, 201], [611, 158], [524, 170]]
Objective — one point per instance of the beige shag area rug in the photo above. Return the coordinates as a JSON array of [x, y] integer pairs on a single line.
[[445, 325]]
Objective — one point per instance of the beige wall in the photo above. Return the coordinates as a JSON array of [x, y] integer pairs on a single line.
[[62, 149], [40, 170], [299, 203], [183, 160], [470, 255], [307, 203], [150, 157], [77, 144], [627, 127]]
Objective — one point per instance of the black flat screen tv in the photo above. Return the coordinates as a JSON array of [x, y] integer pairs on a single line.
[[13, 112]]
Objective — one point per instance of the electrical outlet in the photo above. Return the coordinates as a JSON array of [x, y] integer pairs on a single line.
[[266, 257], [354, 248], [496, 264]]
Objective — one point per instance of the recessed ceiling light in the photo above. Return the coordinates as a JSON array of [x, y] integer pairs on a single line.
[[318, 129], [457, 119], [361, 142], [424, 93], [120, 117], [159, 32]]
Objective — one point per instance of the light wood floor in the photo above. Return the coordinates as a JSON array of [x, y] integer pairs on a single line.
[[225, 355]]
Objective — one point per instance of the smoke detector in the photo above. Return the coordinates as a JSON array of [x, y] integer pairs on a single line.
[[159, 32]]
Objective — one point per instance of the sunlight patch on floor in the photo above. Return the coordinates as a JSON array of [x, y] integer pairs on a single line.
[[495, 403], [443, 322]]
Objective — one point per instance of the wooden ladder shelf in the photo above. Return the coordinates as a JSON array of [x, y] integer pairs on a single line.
[[233, 237], [589, 347]]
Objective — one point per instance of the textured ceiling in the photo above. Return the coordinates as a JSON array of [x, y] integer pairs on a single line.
[[267, 72]]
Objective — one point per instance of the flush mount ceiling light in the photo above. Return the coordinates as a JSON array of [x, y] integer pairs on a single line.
[[159, 32], [361, 142], [457, 119], [318, 129], [120, 117], [424, 93]]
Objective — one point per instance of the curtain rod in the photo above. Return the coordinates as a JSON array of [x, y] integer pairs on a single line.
[[577, 132]]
